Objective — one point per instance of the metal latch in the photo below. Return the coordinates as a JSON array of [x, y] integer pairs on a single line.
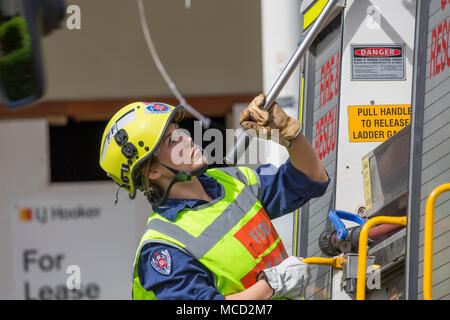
[[350, 271]]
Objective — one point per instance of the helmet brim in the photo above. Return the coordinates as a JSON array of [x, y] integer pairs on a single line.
[[176, 116]]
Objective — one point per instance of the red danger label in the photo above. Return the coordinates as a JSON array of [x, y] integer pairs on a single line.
[[377, 52]]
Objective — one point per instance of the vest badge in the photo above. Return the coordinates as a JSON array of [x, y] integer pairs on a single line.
[[162, 262]]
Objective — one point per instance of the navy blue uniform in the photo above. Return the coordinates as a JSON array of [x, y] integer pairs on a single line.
[[283, 190]]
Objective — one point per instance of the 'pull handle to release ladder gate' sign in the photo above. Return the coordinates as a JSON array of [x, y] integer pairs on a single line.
[[243, 139]]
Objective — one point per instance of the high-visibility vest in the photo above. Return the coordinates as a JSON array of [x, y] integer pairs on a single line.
[[232, 235]]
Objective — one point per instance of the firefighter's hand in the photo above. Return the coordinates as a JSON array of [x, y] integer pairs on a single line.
[[262, 123], [288, 279]]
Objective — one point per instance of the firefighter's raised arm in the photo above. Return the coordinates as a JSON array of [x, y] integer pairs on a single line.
[[263, 124]]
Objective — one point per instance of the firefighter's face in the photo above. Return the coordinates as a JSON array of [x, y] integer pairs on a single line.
[[178, 151]]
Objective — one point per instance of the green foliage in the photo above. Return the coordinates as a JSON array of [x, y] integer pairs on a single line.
[[16, 62], [14, 35]]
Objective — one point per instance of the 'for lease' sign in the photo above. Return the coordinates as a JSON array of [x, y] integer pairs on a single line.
[[377, 122], [71, 248]]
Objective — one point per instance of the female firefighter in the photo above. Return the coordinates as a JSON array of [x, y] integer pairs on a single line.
[[210, 234]]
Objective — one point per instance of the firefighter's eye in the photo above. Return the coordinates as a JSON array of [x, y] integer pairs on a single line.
[[172, 140]]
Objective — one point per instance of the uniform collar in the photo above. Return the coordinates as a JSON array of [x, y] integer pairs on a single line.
[[173, 206]]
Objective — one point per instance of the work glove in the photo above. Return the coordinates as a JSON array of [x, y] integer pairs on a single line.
[[263, 122], [288, 279]]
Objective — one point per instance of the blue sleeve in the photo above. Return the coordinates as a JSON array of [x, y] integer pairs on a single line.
[[187, 278], [285, 189]]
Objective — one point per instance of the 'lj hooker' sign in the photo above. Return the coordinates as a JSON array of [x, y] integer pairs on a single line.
[[72, 248], [377, 122]]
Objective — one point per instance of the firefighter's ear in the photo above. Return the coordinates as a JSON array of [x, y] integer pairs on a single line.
[[154, 174], [22, 26], [154, 171]]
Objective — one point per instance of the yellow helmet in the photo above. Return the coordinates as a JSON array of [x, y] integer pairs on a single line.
[[131, 137]]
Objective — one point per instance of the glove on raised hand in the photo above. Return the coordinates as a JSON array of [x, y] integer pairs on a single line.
[[288, 279], [263, 122]]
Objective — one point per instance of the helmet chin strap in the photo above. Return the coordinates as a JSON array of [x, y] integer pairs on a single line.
[[180, 176]]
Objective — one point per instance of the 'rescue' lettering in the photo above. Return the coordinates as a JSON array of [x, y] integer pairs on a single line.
[[440, 41], [325, 127], [329, 81], [325, 133]]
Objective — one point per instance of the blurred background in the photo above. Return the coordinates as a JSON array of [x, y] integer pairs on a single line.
[[58, 222], [66, 66]]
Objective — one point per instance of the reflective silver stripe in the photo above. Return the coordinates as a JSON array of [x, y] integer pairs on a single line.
[[199, 246], [232, 214], [239, 175], [256, 187], [172, 230], [119, 124], [235, 173], [158, 241]]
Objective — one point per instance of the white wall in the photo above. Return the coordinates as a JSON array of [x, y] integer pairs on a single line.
[[24, 167], [280, 33], [213, 48]]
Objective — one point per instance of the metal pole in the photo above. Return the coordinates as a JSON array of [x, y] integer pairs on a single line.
[[242, 140], [428, 242]]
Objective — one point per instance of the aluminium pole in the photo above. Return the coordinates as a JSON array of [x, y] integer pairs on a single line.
[[243, 139]]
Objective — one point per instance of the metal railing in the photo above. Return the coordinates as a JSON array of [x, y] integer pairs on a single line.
[[428, 241], [362, 251], [336, 262]]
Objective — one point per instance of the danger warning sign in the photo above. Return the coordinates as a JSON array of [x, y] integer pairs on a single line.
[[378, 62], [377, 122]]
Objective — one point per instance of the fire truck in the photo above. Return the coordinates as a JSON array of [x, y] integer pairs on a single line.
[[373, 93]]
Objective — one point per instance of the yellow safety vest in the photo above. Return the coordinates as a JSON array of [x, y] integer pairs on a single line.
[[232, 236]]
